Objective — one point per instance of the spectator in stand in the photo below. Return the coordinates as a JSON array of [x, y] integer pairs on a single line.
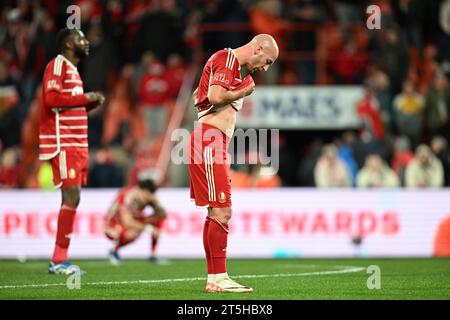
[[330, 171], [376, 174], [154, 91], [439, 146], [9, 111], [103, 172], [402, 156], [393, 58], [428, 68], [118, 115], [90, 10], [113, 20], [9, 169], [160, 30], [409, 107], [378, 80], [99, 68], [312, 151], [311, 13], [346, 153], [175, 72], [437, 107], [370, 114], [349, 63], [140, 69], [265, 17], [42, 49], [30, 139], [372, 129], [425, 170], [407, 14]]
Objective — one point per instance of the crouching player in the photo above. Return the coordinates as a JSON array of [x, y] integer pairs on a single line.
[[125, 220]]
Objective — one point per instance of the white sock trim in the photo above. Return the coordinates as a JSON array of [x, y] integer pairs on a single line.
[[217, 276]]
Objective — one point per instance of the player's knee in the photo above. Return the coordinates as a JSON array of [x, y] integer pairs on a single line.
[[71, 196], [222, 214], [156, 232], [132, 234]]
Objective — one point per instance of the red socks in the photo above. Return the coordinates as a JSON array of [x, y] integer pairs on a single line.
[[154, 244], [123, 240], [206, 245], [215, 236], [66, 220]]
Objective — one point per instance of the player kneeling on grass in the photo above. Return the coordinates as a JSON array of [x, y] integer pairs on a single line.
[[125, 220]]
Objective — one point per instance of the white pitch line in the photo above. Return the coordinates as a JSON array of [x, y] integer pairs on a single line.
[[346, 269]]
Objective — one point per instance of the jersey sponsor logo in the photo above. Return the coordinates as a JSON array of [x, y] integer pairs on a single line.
[[52, 84], [221, 77]]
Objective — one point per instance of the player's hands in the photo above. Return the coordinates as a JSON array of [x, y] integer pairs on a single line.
[[247, 85], [95, 99], [101, 98], [92, 97]]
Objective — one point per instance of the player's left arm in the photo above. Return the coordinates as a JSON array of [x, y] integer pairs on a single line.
[[219, 95], [128, 220]]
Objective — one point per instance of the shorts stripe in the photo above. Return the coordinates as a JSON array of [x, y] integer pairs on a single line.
[[212, 173], [209, 174], [63, 165]]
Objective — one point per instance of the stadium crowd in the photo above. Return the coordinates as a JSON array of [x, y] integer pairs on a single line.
[[141, 51]]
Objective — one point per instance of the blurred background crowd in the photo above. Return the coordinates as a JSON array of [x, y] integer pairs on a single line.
[[142, 51]]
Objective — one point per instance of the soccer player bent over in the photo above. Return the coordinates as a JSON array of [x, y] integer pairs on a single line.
[[63, 135], [218, 98], [125, 220]]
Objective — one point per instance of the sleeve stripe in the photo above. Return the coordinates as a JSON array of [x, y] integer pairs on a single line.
[[228, 59], [57, 67]]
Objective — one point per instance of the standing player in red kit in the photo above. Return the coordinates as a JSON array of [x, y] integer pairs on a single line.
[[218, 98], [63, 135]]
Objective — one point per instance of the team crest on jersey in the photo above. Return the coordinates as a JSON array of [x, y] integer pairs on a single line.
[[77, 90], [222, 197], [72, 174]]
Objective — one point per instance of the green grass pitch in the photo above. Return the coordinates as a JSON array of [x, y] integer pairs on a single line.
[[279, 279]]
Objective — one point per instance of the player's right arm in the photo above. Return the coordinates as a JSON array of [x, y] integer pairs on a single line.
[[222, 73], [219, 95]]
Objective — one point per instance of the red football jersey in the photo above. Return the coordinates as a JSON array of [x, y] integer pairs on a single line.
[[64, 122], [222, 69]]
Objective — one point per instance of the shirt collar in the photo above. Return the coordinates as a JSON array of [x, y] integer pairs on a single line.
[[67, 61]]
